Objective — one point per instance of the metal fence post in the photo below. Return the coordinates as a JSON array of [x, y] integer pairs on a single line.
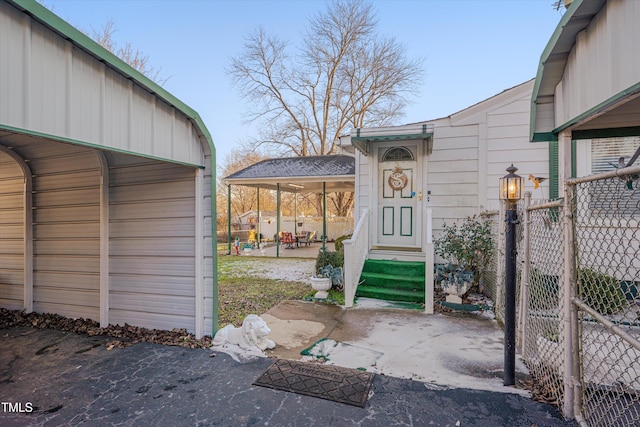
[[524, 282], [568, 290]]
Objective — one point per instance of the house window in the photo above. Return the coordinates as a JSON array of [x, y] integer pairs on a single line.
[[397, 154], [605, 152], [614, 196]]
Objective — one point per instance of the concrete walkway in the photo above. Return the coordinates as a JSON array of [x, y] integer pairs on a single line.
[[52, 378], [450, 350]]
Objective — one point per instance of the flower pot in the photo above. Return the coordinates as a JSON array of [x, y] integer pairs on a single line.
[[454, 290], [321, 285]]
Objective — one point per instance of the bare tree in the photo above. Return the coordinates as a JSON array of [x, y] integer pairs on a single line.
[[344, 75], [133, 57], [243, 198]]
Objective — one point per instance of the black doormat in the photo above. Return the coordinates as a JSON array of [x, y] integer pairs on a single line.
[[328, 382]]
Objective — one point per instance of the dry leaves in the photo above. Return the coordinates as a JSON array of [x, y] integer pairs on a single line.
[[127, 334]]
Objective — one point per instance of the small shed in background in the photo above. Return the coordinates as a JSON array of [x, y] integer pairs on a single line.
[[107, 184]]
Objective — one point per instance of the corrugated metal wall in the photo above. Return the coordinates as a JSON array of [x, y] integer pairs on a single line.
[[58, 89], [66, 228], [11, 233], [589, 77], [210, 260], [152, 243], [60, 106]]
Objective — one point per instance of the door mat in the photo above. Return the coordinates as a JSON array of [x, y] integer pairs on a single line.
[[328, 382]]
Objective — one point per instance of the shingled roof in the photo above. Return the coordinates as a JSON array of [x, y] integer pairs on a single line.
[[337, 171]]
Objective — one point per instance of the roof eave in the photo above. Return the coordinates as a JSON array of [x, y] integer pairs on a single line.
[[555, 55]]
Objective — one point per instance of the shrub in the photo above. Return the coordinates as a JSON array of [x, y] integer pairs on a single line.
[[325, 258], [468, 246], [329, 264], [339, 240], [601, 292]]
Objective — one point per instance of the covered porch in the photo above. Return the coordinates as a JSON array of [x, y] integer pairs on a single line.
[[310, 174]]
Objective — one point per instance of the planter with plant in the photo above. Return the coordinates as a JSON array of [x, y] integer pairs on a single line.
[[330, 265], [467, 249]]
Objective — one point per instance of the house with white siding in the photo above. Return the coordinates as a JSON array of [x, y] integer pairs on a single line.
[[107, 184], [412, 179]]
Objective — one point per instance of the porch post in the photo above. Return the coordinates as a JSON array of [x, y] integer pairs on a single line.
[[277, 220], [228, 219], [295, 213], [258, 220], [324, 216]]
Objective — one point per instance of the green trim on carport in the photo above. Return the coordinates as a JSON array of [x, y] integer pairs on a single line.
[[558, 33], [604, 105], [98, 146]]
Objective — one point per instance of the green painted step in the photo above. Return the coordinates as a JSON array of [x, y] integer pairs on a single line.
[[392, 280], [394, 267]]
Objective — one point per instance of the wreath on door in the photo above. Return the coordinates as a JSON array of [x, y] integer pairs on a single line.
[[398, 179]]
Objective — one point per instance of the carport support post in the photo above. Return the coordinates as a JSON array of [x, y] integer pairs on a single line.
[[324, 216], [258, 220], [229, 219], [277, 220]]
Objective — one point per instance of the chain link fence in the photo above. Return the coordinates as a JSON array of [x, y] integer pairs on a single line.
[[541, 317], [607, 238], [579, 314]]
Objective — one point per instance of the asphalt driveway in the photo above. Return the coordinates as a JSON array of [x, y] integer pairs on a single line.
[[50, 378]]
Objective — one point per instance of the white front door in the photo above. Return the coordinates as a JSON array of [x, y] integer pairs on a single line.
[[399, 195]]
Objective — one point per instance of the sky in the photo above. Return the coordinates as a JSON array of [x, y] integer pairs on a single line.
[[472, 49]]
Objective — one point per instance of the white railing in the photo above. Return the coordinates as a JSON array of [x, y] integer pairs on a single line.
[[429, 262], [355, 254]]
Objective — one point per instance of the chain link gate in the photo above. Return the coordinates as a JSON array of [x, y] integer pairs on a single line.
[[607, 302], [580, 298], [541, 319]]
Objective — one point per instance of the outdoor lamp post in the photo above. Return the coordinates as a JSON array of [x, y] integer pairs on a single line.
[[511, 190]]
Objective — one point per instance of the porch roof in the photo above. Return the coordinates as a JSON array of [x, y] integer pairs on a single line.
[[299, 174], [363, 138]]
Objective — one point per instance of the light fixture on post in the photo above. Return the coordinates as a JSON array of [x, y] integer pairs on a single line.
[[511, 191]]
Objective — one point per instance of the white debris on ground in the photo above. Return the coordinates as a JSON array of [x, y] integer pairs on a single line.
[[342, 354], [239, 354], [290, 270]]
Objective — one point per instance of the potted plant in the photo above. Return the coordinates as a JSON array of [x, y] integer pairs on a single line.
[[328, 272], [468, 249]]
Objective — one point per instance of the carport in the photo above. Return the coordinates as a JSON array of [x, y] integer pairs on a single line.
[[106, 184]]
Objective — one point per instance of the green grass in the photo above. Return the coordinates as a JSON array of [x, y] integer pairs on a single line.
[[240, 296]]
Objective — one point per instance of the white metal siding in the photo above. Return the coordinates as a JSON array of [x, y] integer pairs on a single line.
[[11, 234], [472, 150], [209, 260], [507, 143], [589, 79], [66, 229], [58, 89], [452, 176], [152, 244]]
